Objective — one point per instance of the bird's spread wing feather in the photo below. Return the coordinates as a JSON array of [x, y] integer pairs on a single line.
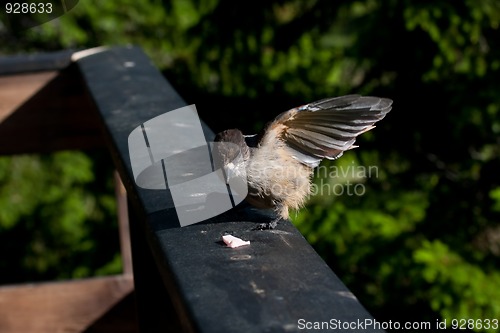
[[327, 128]]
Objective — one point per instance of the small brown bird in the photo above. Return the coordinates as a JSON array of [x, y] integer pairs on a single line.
[[279, 162]]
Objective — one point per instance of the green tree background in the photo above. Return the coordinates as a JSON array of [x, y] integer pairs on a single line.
[[422, 243]]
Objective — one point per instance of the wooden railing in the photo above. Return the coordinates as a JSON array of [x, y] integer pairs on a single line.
[[184, 278]]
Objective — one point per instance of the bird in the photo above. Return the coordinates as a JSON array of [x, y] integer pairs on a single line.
[[279, 161]]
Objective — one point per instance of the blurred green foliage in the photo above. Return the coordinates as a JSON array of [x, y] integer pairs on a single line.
[[57, 217], [423, 241]]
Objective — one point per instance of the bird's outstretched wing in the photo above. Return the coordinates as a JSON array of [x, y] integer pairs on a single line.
[[327, 128]]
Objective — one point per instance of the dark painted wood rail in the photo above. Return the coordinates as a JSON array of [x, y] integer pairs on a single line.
[[185, 278]]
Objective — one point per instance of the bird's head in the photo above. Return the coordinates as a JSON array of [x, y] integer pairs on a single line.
[[231, 153]]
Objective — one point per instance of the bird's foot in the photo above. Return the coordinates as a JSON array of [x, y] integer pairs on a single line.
[[269, 225]]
